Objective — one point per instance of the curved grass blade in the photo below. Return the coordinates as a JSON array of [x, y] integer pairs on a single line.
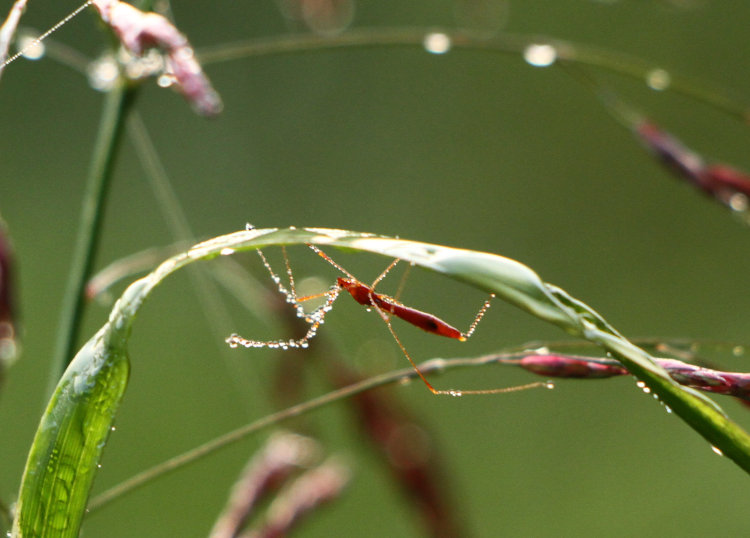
[[67, 448], [522, 287], [68, 444]]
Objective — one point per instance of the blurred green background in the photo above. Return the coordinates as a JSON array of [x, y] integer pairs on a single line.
[[470, 149]]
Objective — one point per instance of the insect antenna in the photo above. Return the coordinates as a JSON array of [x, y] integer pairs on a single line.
[[402, 282], [384, 273]]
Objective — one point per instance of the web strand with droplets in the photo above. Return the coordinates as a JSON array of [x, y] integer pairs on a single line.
[[46, 34]]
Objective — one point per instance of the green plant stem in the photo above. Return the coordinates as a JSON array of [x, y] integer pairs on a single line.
[[116, 104], [504, 43], [389, 378]]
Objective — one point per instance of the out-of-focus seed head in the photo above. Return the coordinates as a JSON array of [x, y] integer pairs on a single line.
[[8, 314]]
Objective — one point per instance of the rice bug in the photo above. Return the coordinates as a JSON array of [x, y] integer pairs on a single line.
[[385, 305]]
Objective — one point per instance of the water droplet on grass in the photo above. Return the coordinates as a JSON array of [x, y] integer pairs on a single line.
[[103, 73], [166, 80], [738, 202], [540, 55], [437, 43], [658, 79], [31, 50]]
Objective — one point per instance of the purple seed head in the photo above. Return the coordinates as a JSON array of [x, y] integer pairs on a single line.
[[8, 315], [566, 366]]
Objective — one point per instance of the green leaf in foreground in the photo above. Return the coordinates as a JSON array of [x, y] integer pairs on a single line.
[[67, 448]]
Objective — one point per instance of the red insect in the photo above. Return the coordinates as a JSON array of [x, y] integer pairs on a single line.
[[385, 305]]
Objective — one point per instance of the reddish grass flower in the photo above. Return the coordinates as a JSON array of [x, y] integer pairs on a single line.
[[325, 17], [8, 318], [271, 475], [673, 153], [8, 30], [729, 185], [302, 498], [726, 184], [719, 382], [566, 366], [139, 31], [730, 383], [406, 449]]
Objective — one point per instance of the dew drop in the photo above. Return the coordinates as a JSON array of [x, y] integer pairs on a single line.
[[642, 385], [738, 202], [103, 73], [437, 43], [667, 409], [30, 48], [540, 55], [227, 251], [717, 450], [8, 349], [233, 344], [549, 385], [738, 351], [658, 79], [166, 80], [456, 393]]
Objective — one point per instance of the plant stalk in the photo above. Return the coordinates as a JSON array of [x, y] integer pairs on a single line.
[[116, 104]]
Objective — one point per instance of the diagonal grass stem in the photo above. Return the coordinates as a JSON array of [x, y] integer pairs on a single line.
[[390, 378]]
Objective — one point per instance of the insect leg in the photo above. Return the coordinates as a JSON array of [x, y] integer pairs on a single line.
[[450, 392], [315, 318]]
